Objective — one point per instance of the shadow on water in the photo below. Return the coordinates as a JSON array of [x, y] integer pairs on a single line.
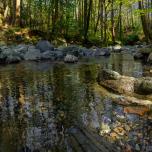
[[53, 107]]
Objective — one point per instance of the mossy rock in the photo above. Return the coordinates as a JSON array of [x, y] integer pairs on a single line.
[[143, 85]]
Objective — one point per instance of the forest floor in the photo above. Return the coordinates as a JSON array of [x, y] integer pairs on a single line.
[[14, 35]]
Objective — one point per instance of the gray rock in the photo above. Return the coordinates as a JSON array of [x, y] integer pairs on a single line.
[[48, 55], [44, 45], [138, 55], [31, 47], [58, 55], [70, 58], [102, 52], [71, 48], [9, 55], [13, 58], [4, 52], [21, 49], [32, 54], [88, 53]]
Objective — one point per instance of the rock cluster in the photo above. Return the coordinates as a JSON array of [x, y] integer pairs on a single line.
[[44, 50]]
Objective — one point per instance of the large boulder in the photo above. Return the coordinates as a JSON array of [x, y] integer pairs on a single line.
[[21, 49], [70, 58], [32, 54], [44, 45], [124, 84], [13, 58], [9, 55]]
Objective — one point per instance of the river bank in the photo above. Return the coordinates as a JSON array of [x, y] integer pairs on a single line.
[[44, 50]]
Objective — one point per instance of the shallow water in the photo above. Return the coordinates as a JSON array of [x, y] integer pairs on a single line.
[[41, 103]]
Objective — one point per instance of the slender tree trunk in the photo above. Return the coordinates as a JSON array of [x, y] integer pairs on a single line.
[[112, 22], [55, 16], [101, 19], [85, 18], [18, 9], [87, 21], [120, 21]]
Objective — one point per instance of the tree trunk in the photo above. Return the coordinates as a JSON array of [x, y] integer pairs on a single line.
[[145, 24], [87, 21], [112, 23]]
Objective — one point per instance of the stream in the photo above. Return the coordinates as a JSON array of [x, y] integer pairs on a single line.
[[47, 107]]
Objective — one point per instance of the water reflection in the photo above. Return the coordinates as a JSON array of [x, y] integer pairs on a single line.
[[39, 102], [125, 64]]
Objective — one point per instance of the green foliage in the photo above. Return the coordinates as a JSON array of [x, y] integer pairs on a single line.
[[9, 34], [131, 39], [69, 19]]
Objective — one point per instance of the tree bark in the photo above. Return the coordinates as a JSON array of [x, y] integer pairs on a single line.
[[146, 24]]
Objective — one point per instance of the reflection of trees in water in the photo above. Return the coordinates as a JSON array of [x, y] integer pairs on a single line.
[[26, 110], [38, 106], [66, 96], [90, 116], [88, 75], [122, 63]]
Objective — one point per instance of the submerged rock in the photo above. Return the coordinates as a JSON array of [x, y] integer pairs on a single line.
[[70, 59]]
